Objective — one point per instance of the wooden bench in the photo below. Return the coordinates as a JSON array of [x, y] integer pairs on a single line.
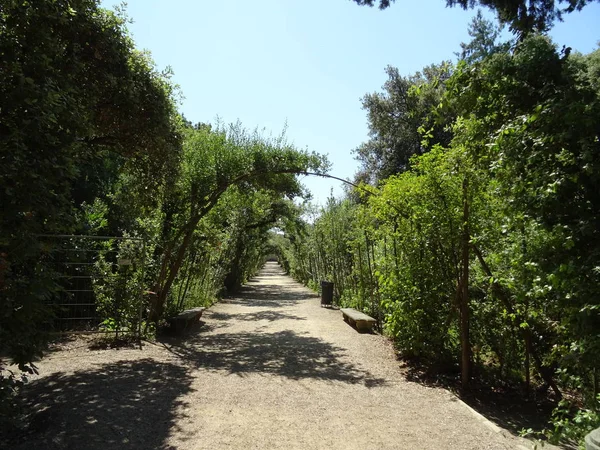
[[361, 321], [182, 320]]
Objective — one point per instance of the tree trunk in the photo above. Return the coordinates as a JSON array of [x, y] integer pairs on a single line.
[[163, 291], [362, 279], [527, 335], [527, 364], [464, 298], [191, 263]]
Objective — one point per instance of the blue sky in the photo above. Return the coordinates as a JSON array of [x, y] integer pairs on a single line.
[[306, 62]]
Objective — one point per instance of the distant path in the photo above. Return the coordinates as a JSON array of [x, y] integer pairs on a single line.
[[269, 368]]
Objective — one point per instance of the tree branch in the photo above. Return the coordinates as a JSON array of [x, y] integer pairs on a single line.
[[500, 292]]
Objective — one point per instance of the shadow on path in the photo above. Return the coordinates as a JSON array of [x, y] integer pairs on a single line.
[[270, 316], [285, 353], [125, 405], [507, 407], [270, 296], [217, 346]]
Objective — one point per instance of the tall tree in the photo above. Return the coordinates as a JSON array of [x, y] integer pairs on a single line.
[[484, 42], [397, 116], [522, 16], [78, 104], [530, 119], [213, 161]]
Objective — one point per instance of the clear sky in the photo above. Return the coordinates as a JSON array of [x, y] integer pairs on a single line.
[[306, 62]]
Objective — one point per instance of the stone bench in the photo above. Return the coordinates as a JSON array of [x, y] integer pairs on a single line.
[[361, 321], [185, 318], [592, 440]]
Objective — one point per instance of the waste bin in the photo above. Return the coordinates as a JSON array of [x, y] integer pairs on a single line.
[[326, 293]]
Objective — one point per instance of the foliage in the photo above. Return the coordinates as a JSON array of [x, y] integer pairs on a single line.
[[321, 251], [479, 245], [523, 16], [569, 426], [11, 384], [484, 42], [541, 143], [92, 144], [213, 162], [396, 117], [422, 213], [117, 283], [519, 181], [79, 105]]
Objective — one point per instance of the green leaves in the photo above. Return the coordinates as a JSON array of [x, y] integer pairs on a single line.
[[403, 121], [525, 136], [85, 117], [523, 17], [229, 155], [213, 163]]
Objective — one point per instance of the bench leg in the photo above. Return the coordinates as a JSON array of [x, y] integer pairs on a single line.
[[362, 326]]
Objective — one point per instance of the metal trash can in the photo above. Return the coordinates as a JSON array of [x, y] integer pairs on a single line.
[[326, 293]]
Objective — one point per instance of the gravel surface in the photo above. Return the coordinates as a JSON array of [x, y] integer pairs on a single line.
[[269, 368]]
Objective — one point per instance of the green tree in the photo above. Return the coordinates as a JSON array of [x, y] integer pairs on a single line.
[[484, 42], [213, 161], [82, 110], [529, 118], [523, 16], [396, 119], [77, 99]]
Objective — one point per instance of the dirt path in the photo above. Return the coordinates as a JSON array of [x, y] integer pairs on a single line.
[[268, 369]]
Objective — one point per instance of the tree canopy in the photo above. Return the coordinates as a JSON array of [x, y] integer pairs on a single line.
[[396, 117], [79, 105], [522, 16], [481, 252], [91, 143], [472, 234]]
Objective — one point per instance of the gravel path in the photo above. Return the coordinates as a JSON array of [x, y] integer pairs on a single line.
[[268, 369]]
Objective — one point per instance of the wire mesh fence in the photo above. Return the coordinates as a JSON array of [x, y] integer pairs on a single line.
[[99, 283]]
